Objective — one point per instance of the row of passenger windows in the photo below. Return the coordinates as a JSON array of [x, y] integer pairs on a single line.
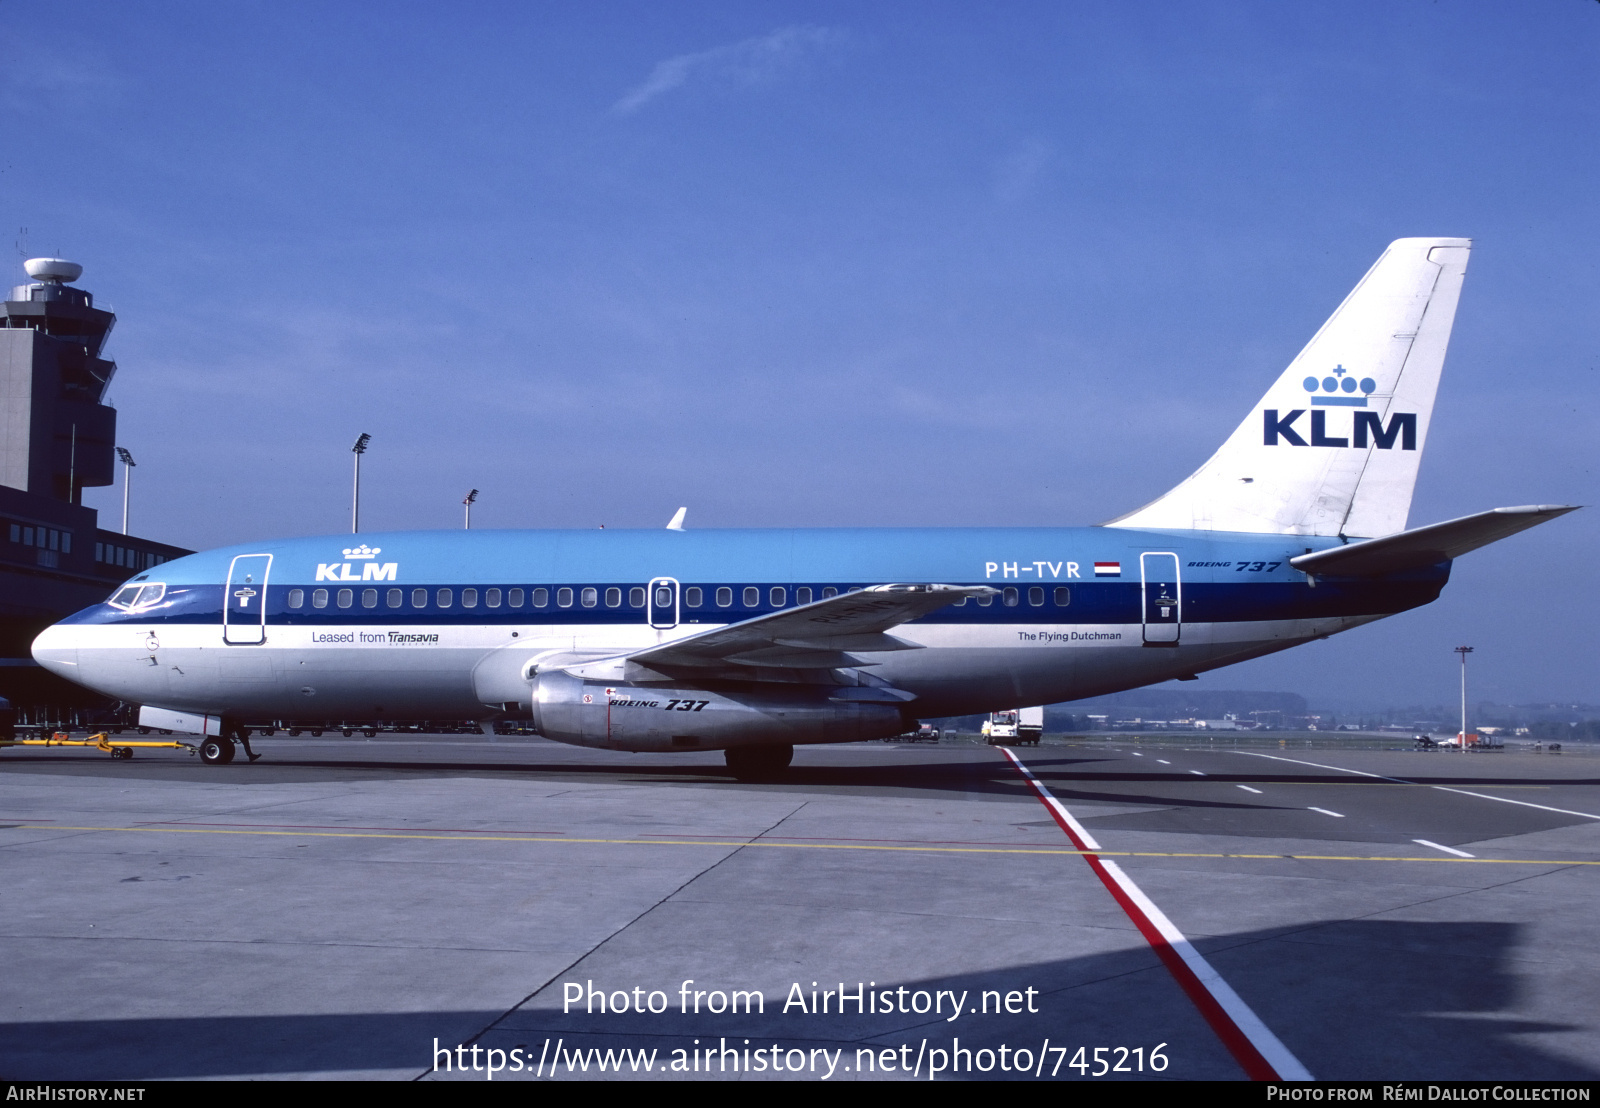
[[1011, 597], [693, 597]]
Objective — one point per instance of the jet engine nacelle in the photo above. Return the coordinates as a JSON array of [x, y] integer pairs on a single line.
[[651, 717]]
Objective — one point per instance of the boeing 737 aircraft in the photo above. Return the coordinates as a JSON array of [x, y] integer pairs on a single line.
[[754, 641]]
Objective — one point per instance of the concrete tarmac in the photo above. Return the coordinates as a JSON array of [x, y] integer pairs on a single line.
[[351, 908]]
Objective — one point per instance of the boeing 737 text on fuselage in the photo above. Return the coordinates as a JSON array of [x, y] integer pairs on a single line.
[[755, 641]]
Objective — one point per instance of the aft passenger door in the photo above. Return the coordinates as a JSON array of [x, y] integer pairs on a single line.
[[661, 603], [244, 608], [1162, 593]]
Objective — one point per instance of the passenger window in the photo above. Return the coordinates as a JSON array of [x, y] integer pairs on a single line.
[[491, 598], [752, 596], [514, 598], [396, 598], [419, 598], [369, 598], [319, 598], [297, 597], [724, 597], [541, 598], [829, 593], [444, 597], [564, 597], [346, 597], [1036, 596], [693, 597], [613, 598], [802, 595], [985, 601], [469, 598], [664, 596], [1063, 596], [853, 588], [591, 597], [636, 597], [779, 596], [1009, 596]]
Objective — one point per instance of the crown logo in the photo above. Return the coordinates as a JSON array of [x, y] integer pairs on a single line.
[[363, 551], [1339, 391]]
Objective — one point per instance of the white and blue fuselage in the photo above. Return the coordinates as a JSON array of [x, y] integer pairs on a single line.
[[398, 626]]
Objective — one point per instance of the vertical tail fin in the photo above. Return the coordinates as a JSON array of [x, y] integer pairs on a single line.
[[1333, 447]]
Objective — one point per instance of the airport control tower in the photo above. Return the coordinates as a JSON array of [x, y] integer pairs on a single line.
[[57, 438]]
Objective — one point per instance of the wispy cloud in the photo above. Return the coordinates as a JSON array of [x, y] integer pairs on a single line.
[[754, 61], [1020, 172]]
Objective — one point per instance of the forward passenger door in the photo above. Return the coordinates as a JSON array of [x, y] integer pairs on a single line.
[[244, 601]]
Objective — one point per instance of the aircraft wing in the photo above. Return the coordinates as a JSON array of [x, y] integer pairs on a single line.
[[820, 635], [1426, 546]]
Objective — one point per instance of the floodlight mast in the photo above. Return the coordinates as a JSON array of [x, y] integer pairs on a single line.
[[358, 449], [1463, 651], [471, 497], [127, 480]]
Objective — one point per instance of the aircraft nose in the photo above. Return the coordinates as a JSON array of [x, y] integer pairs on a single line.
[[56, 649]]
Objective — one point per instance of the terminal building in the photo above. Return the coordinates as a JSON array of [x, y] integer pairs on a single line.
[[57, 438]]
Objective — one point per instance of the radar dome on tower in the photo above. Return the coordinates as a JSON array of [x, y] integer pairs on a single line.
[[52, 269]]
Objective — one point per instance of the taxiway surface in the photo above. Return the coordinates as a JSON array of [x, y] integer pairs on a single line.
[[338, 908]]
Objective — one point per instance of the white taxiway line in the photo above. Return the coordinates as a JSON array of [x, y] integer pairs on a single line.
[[1441, 788], [1324, 811], [1446, 849], [1248, 789], [1252, 1044]]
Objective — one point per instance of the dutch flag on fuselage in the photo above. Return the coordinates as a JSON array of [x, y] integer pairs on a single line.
[[1108, 569]]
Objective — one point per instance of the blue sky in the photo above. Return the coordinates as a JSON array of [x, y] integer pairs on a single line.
[[821, 264]]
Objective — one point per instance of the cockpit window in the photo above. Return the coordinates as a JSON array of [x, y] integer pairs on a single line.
[[130, 597]]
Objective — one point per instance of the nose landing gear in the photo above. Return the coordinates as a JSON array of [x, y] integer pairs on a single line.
[[217, 750]]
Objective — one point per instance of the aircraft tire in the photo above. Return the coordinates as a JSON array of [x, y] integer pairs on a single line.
[[216, 750], [758, 763]]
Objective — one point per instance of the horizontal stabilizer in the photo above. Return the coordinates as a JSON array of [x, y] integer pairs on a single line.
[[1426, 546]]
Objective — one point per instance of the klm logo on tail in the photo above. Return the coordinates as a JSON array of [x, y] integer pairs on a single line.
[[1402, 426], [1340, 391]]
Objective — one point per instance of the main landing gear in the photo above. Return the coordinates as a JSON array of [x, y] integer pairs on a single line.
[[758, 763]]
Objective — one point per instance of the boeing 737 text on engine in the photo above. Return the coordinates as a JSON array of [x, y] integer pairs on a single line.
[[754, 641]]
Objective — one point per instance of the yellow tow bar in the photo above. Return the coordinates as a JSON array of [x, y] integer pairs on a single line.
[[117, 749]]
